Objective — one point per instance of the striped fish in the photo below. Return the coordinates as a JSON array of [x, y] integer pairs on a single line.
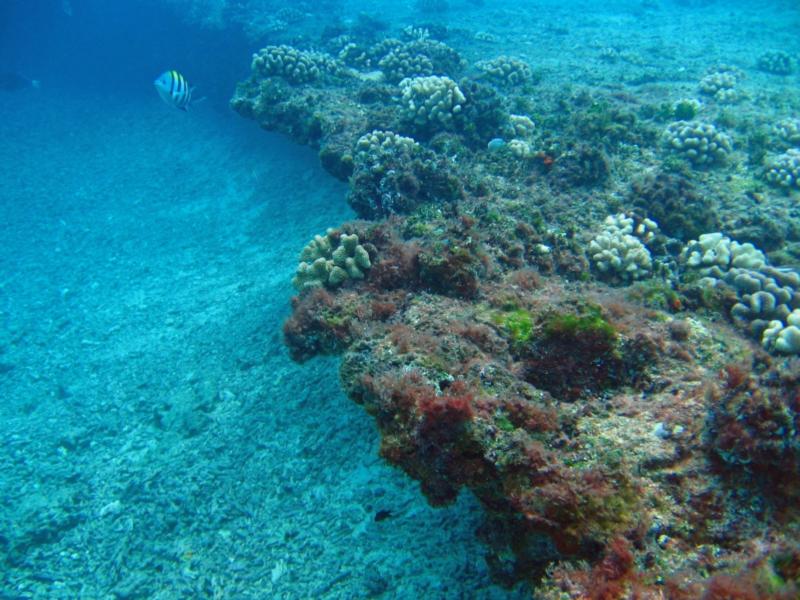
[[174, 89]]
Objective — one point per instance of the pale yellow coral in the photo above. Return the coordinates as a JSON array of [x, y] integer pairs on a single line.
[[430, 100], [330, 260]]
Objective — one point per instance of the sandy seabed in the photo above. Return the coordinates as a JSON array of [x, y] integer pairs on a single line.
[[157, 442]]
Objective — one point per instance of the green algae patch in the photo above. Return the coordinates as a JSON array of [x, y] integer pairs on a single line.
[[588, 324], [579, 353], [517, 324], [655, 294], [504, 423]]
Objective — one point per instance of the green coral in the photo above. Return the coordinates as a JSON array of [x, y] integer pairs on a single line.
[[330, 260]]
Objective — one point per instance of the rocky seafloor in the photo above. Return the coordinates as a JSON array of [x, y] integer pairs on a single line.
[[573, 289]]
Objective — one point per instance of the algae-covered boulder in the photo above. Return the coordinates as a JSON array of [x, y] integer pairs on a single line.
[[394, 174], [330, 260]]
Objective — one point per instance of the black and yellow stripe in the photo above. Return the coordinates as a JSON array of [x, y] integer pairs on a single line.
[[179, 90]]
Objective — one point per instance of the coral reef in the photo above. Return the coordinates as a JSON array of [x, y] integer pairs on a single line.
[[354, 55], [520, 148], [520, 126], [701, 143], [685, 109], [444, 59], [581, 165], [420, 57], [374, 148], [403, 62], [753, 428], [767, 298], [718, 250], [781, 336], [394, 174], [566, 374], [604, 124], [534, 407]]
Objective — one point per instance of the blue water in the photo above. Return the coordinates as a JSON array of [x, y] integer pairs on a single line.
[[155, 439]]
